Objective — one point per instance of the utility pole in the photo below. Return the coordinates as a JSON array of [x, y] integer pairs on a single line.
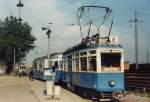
[[19, 5], [135, 20], [14, 50], [14, 61], [147, 55], [48, 35]]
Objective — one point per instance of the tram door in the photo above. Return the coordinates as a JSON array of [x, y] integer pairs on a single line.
[[70, 69]]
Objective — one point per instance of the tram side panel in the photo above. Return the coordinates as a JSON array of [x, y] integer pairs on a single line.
[[58, 76], [84, 79], [99, 81], [66, 76]]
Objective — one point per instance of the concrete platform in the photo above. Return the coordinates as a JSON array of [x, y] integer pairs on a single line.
[[15, 89]]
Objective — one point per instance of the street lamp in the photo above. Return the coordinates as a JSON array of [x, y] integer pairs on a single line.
[[50, 87], [48, 35]]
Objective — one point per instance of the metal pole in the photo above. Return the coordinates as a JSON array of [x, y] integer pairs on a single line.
[[19, 5], [19, 12], [147, 57], [49, 82], [135, 20], [14, 61], [48, 53], [136, 41]]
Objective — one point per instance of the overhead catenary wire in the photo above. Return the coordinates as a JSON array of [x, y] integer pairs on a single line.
[[83, 15], [77, 21], [33, 16], [41, 23], [144, 13], [93, 3]]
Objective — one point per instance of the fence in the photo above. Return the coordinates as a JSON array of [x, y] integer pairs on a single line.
[[138, 79]]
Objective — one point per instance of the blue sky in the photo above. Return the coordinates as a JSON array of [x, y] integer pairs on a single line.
[[63, 13]]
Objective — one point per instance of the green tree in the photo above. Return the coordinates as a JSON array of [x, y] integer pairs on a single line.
[[14, 35]]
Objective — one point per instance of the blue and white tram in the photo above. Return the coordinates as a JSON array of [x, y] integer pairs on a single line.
[[38, 68], [95, 70], [40, 64]]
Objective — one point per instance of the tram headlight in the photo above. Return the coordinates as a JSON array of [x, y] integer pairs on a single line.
[[112, 83]]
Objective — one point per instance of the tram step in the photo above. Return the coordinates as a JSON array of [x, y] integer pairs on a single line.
[[105, 96]]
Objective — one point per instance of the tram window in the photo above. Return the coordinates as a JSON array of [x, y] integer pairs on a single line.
[[83, 64], [77, 64], [56, 65], [35, 65], [65, 69], [83, 53], [51, 63], [69, 63], [110, 60], [92, 63], [73, 64], [92, 52], [76, 55], [61, 65], [24, 67], [40, 65]]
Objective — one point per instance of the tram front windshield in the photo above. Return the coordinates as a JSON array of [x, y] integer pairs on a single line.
[[111, 61]]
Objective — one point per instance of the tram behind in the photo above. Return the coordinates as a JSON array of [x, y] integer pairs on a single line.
[[94, 70], [40, 64]]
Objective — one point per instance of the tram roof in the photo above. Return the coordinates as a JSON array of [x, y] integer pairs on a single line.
[[80, 47], [52, 56]]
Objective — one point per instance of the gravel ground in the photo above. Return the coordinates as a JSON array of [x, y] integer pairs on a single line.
[[134, 98]]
